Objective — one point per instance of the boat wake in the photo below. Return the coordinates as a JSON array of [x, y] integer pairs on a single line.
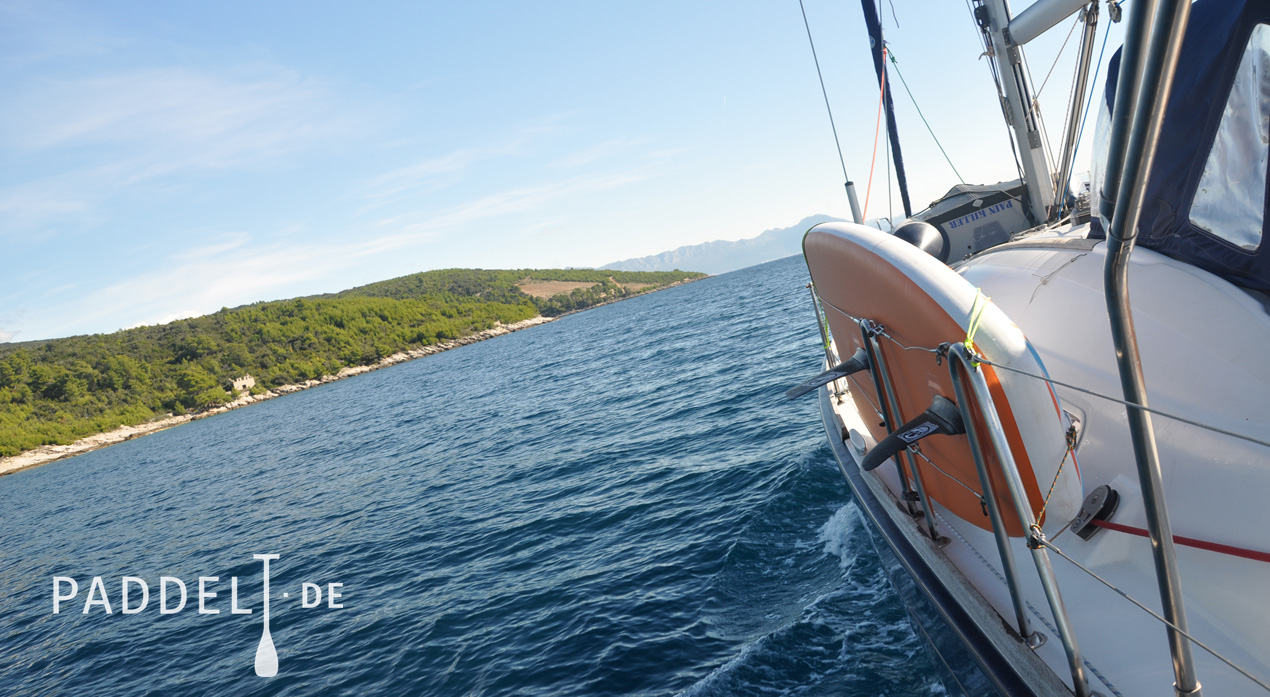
[[850, 637]]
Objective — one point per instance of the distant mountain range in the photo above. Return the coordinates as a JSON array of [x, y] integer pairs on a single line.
[[721, 256]]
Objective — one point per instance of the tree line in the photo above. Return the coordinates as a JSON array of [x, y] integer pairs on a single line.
[[60, 390], [502, 285]]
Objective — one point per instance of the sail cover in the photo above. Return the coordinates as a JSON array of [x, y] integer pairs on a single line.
[[1206, 195]]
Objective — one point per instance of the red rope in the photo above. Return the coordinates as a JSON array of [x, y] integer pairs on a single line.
[[876, 132], [1189, 542]]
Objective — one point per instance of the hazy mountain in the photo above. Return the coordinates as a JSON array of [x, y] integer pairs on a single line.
[[721, 256]]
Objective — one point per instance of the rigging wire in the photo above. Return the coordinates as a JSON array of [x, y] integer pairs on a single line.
[[876, 131], [1071, 91], [1152, 410], [1048, 544], [890, 208], [924, 121], [1036, 109], [996, 81], [843, 162], [918, 452], [980, 359], [1056, 58]]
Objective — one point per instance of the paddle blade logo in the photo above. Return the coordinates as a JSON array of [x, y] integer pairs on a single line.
[[917, 433], [266, 654], [173, 594]]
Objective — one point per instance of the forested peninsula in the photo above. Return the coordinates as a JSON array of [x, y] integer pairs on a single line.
[[57, 391]]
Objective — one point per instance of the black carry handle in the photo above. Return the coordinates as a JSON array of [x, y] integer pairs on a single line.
[[942, 417], [854, 364]]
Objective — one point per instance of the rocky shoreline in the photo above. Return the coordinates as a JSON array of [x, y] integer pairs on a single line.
[[49, 453]]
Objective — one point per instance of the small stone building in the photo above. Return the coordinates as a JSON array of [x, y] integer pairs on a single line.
[[244, 383]]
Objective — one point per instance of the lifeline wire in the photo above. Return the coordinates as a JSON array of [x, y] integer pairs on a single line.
[[1152, 410], [980, 359], [841, 161], [1126, 596], [917, 451]]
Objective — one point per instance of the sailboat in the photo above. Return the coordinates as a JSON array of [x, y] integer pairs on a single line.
[[1060, 432]]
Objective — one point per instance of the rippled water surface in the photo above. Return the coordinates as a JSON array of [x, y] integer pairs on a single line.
[[617, 503]]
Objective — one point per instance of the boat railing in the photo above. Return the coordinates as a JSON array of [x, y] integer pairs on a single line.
[[973, 397], [972, 392], [892, 418], [1034, 639], [972, 389], [963, 371]]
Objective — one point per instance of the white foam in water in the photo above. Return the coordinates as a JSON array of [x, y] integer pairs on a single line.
[[849, 611], [705, 686], [842, 535]]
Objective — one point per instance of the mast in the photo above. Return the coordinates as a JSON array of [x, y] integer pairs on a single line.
[[879, 65], [1020, 110], [1065, 162]]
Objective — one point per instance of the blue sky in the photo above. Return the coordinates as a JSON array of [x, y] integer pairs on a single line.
[[164, 160]]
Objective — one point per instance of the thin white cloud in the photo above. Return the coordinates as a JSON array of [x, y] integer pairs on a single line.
[[11, 319], [197, 285], [123, 129], [232, 271], [598, 152], [421, 175], [163, 107], [437, 172], [32, 203], [524, 199], [228, 242]]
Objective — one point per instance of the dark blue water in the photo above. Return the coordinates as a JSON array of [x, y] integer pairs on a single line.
[[617, 503]]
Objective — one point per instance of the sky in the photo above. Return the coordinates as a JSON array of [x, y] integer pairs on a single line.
[[163, 160]]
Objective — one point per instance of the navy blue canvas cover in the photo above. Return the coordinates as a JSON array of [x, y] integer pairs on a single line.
[[1216, 36]]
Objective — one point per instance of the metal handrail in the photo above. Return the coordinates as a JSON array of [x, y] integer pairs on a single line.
[[1135, 133], [892, 404], [868, 332], [962, 363], [989, 499]]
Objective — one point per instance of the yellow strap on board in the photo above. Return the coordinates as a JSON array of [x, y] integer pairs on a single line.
[[976, 313]]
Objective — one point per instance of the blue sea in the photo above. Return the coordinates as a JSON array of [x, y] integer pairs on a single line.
[[620, 502]]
